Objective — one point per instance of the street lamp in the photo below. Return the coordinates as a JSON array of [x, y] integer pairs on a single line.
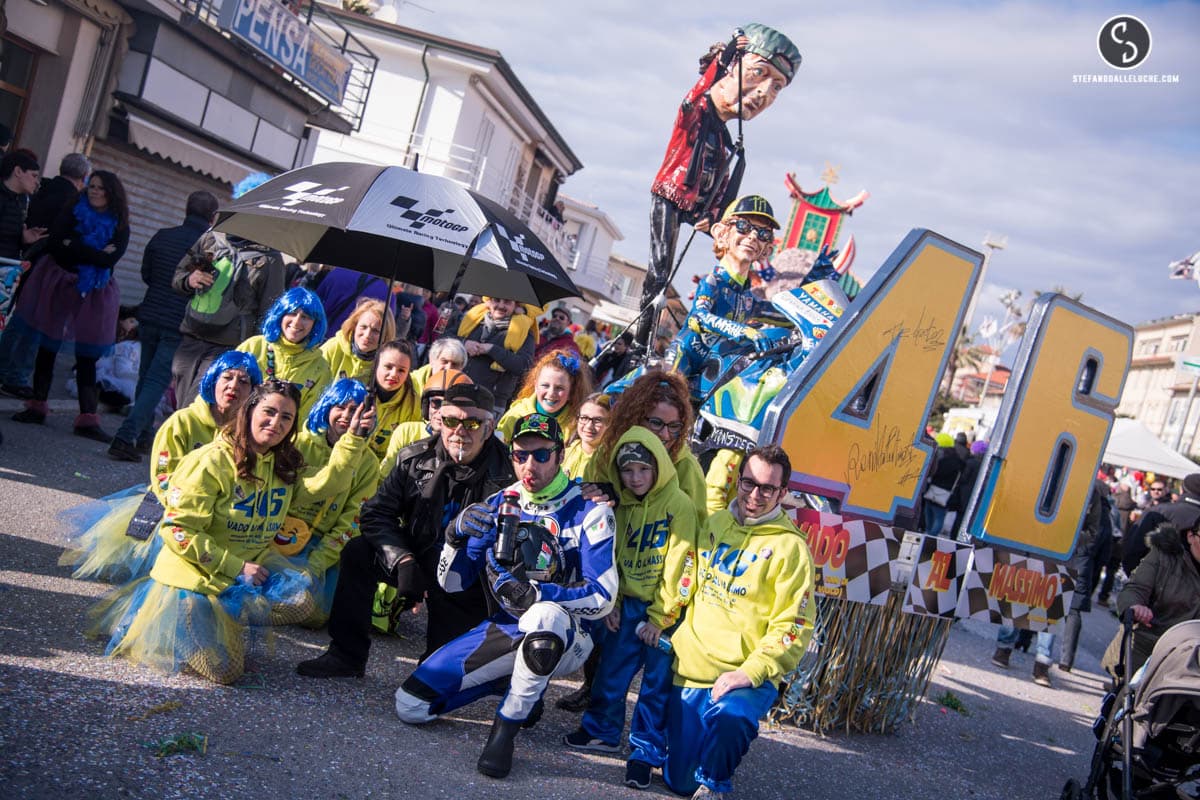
[[991, 243]]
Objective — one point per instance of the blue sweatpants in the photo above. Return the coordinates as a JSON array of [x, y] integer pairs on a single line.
[[623, 654], [706, 740]]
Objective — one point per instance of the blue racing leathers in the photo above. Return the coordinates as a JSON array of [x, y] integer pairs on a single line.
[[517, 654], [721, 309]]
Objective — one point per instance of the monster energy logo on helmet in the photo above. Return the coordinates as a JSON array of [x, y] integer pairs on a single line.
[[751, 205]]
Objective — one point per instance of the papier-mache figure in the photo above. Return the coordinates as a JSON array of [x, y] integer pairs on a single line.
[[725, 302], [738, 81]]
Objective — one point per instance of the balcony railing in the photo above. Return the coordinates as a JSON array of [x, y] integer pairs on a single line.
[[329, 30]]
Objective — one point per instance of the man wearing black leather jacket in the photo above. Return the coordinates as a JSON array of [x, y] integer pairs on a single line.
[[402, 533]]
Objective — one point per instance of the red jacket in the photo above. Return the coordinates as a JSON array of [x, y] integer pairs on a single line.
[[678, 179], [566, 341]]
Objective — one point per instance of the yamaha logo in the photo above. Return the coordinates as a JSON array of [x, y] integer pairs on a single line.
[[302, 192], [432, 216]]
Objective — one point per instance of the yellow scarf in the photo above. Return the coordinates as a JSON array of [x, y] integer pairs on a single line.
[[519, 326]]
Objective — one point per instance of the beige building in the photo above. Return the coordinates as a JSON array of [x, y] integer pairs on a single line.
[[1156, 390]]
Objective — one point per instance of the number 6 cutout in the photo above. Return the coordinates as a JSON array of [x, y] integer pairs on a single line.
[[1052, 429]]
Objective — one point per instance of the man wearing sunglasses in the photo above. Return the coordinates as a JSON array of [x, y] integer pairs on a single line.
[[402, 533], [724, 303], [752, 615], [546, 603]]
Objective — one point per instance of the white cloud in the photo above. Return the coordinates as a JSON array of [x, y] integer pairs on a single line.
[[959, 118]]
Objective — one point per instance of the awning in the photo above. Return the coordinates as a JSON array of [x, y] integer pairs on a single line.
[[613, 314], [167, 141], [1131, 444]]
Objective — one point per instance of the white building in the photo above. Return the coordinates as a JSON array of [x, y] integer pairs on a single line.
[[1156, 391]]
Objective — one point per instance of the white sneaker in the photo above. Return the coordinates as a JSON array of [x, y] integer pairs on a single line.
[[705, 793]]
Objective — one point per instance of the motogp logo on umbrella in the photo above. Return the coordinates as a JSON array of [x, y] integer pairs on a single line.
[[302, 192], [517, 243], [433, 216]]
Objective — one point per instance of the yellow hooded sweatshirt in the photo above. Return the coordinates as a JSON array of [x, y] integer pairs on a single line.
[[333, 520], [343, 362], [752, 607], [647, 527], [404, 406], [291, 362], [523, 407], [215, 522], [188, 429], [687, 473]]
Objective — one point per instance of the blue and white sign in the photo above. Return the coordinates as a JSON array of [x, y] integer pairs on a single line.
[[272, 29]]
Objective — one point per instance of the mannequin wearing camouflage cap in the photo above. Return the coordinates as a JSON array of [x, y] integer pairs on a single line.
[[724, 302], [738, 81]]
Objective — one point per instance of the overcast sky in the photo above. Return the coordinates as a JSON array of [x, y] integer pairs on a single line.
[[958, 117]]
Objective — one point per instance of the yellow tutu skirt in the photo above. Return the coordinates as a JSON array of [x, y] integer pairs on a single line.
[[172, 629], [98, 547]]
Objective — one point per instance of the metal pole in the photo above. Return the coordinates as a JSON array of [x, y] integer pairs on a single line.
[[1187, 412]]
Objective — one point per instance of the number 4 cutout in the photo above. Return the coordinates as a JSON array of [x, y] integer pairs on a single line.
[[852, 417]]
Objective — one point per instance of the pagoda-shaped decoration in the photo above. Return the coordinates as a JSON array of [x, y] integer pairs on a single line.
[[815, 222]]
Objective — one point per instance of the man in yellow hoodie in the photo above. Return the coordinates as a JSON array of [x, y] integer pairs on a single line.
[[750, 618]]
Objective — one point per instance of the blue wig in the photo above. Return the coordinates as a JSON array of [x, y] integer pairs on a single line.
[[230, 359], [297, 299], [251, 181], [340, 391]]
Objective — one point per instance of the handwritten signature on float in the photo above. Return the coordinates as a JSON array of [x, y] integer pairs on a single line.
[[926, 335]]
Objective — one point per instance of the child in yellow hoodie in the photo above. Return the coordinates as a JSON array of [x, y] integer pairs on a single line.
[[654, 516], [287, 348], [749, 586]]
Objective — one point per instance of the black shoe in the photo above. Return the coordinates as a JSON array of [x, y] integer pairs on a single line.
[[93, 432], [19, 392], [496, 759], [329, 665], [637, 774], [30, 416], [121, 450], [143, 446], [577, 701]]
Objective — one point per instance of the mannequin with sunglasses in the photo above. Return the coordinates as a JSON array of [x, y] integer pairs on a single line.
[[403, 530], [548, 597], [724, 304], [554, 386]]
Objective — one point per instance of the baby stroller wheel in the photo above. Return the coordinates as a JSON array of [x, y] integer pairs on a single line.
[[1071, 791]]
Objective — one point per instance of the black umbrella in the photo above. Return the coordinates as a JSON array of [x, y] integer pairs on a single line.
[[402, 225]]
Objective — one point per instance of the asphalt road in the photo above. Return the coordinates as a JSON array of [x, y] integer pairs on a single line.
[[75, 724]]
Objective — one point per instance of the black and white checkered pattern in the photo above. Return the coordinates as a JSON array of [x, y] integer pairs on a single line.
[[868, 567], [930, 592], [979, 600]]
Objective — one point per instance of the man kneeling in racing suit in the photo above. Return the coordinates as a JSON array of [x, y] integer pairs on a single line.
[[539, 628]]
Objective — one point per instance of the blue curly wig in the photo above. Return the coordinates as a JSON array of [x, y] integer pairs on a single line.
[[297, 299], [251, 181], [340, 391], [230, 359]]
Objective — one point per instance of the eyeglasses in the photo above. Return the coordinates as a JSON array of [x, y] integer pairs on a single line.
[[744, 226], [436, 402], [541, 455], [765, 489], [594, 422], [466, 422], [1158, 488], [656, 425]]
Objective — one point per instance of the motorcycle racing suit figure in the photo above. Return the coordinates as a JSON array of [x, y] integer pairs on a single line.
[[724, 302], [545, 605]]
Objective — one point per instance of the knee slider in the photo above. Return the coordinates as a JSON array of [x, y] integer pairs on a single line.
[[542, 651]]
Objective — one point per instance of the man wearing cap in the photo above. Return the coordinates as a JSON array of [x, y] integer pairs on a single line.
[[548, 599], [724, 302], [692, 184], [402, 532], [558, 335]]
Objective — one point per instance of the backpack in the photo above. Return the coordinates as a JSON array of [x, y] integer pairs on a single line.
[[210, 314]]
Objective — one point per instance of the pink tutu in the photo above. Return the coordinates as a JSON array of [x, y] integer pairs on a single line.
[[51, 311]]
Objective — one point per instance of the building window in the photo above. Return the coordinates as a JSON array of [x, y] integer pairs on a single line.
[[17, 62], [1178, 344], [1150, 347]]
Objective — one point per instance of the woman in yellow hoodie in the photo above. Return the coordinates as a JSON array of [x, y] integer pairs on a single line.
[[653, 517], [351, 351], [287, 348], [106, 543], [217, 572], [323, 527], [555, 386], [395, 400]]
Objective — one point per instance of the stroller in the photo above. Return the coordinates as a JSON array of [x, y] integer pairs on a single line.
[[1157, 713]]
